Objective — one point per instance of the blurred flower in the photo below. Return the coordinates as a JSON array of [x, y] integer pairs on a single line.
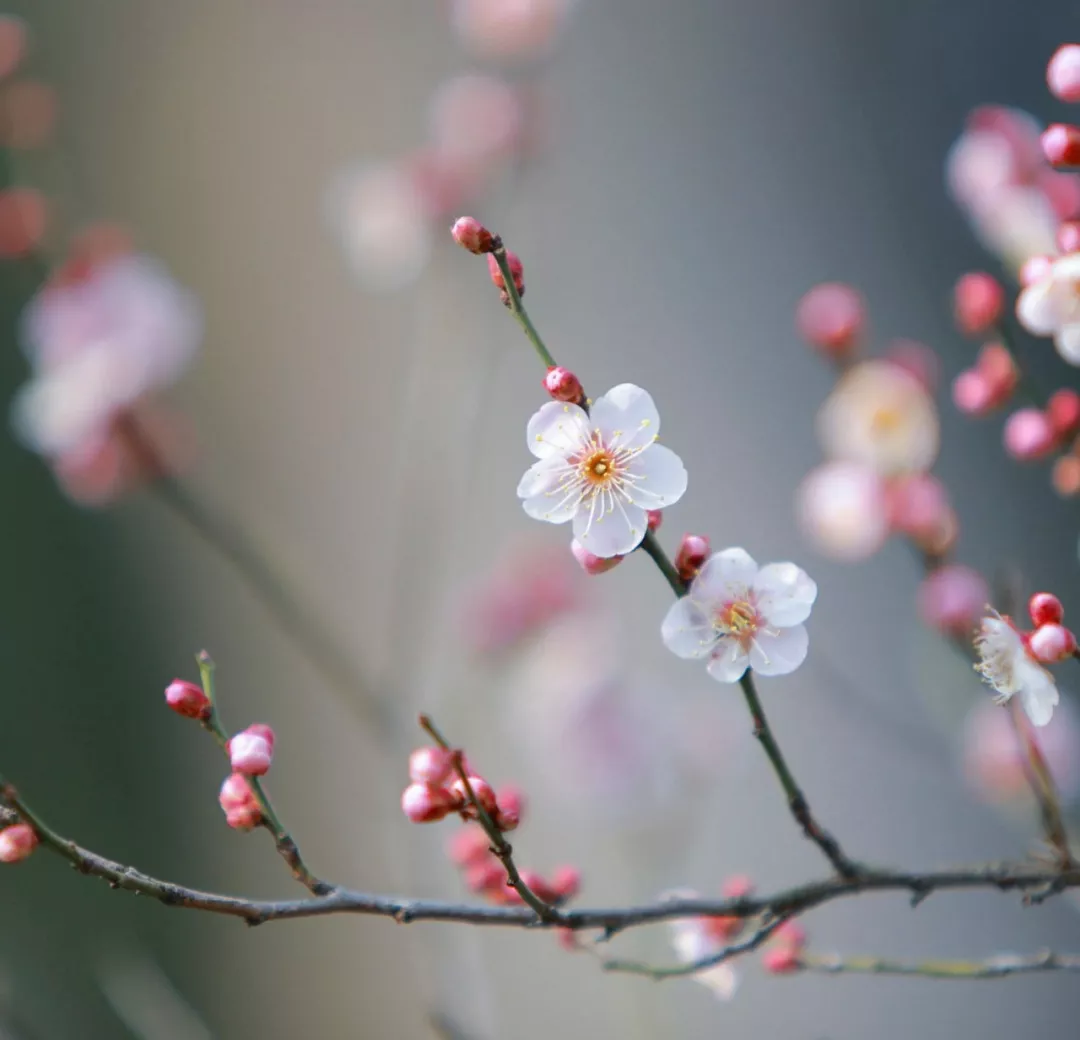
[[994, 759], [24, 216], [1063, 73], [952, 598], [832, 317], [741, 616], [509, 29], [693, 940], [881, 416], [27, 114], [17, 842], [1007, 666], [96, 347], [12, 43], [843, 509], [602, 470], [476, 126], [1050, 306]]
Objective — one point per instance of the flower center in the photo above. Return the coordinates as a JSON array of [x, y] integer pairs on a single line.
[[886, 420], [740, 619], [598, 468]]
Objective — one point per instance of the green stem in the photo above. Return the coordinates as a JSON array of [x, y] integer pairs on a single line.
[[992, 968], [517, 308], [651, 545]]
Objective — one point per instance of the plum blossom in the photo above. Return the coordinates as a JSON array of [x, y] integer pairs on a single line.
[[1050, 306], [1006, 665], [741, 616], [99, 345], [881, 416], [694, 940], [602, 470]]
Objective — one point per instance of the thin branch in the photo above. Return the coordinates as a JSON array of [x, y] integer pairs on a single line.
[[499, 845], [992, 968], [516, 308]]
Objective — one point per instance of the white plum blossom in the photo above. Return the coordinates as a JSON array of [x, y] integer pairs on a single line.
[[97, 346], [740, 616], [842, 507], [1007, 666], [1050, 306], [602, 469], [693, 941]]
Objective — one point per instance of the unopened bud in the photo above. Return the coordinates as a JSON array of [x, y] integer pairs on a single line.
[[1063, 411], [238, 802], [517, 272], [1045, 609], [692, 554], [510, 807], [1068, 236], [565, 882], [1028, 435], [17, 842], [997, 365], [538, 885], [431, 765], [1051, 643], [791, 934], [590, 562], [252, 750], [1061, 144], [832, 317], [469, 233], [482, 792], [187, 699], [563, 385], [978, 303], [781, 960], [952, 599], [654, 518], [426, 803], [487, 875], [469, 845], [1063, 73], [738, 886]]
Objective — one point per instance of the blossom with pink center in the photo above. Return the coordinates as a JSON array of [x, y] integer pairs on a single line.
[[1007, 665], [844, 509], [97, 346], [602, 470], [740, 616], [1050, 306], [880, 416], [693, 940]]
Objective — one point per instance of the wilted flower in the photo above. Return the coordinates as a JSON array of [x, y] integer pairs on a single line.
[[601, 469], [881, 416], [1006, 664], [741, 616], [1050, 306]]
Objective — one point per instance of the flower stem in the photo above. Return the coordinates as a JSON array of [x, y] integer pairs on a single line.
[[797, 802], [517, 308], [653, 549], [992, 968]]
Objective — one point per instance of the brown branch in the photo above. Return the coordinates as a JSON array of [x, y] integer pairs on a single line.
[[992, 968]]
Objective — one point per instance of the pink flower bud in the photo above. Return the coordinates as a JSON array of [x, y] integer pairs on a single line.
[[973, 393], [487, 875], [1068, 236], [469, 846], [430, 765], [565, 882], [781, 960], [17, 842], [591, 563], [251, 750], [511, 806], [919, 507], [737, 887], [481, 790], [998, 367], [470, 234], [978, 303], [540, 888], [426, 803], [952, 599], [187, 699], [790, 934], [1045, 609], [12, 43], [517, 270], [1066, 476], [563, 385], [832, 318], [1061, 144], [238, 801], [692, 554], [654, 518], [1051, 643], [1063, 411], [722, 928], [1063, 72], [1028, 435]]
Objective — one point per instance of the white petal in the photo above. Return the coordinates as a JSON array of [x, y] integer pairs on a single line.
[[780, 651], [545, 493], [659, 478], [687, 631], [608, 526], [1036, 310], [725, 575], [785, 593], [1038, 694], [626, 416], [721, 979], [1067, 341], [557, 428], [729, 662]]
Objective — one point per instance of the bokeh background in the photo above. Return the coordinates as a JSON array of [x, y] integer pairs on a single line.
[[701, 166]]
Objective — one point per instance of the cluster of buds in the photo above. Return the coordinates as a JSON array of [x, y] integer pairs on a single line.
[[17, 842], [239, 803], [470, 850], [441, 783], [1050, 641], [783, 954], [1061, 141]]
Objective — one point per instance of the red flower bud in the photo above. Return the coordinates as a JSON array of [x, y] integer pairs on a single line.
[[187, 699]]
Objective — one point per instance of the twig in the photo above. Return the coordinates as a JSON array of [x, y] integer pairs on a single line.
[[517, 309], [991, 968], [499, 845], [283, 840]]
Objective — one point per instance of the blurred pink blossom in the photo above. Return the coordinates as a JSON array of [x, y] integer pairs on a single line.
[[843, 509], [509, 29]]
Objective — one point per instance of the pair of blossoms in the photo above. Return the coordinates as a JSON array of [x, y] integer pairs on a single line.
[[602, 471]]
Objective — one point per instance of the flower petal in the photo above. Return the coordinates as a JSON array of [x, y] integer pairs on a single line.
[[1036, 308], [1067, 341], [1038, 694], [785, 593], [658, 478], [608, 526], [546, 492], [626, 416], [780, 651], [557, 428], [729, 662], [725, 576], [687, 631]]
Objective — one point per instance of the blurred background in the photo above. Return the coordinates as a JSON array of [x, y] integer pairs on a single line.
[[677, 179]]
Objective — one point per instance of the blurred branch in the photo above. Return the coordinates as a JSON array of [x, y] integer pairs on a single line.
[[991, 968]]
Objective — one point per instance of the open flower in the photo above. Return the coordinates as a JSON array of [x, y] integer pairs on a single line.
[[1006, 664], [741, 616], [694, 939], [881, 416], [1050, 306], [601, 469]]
